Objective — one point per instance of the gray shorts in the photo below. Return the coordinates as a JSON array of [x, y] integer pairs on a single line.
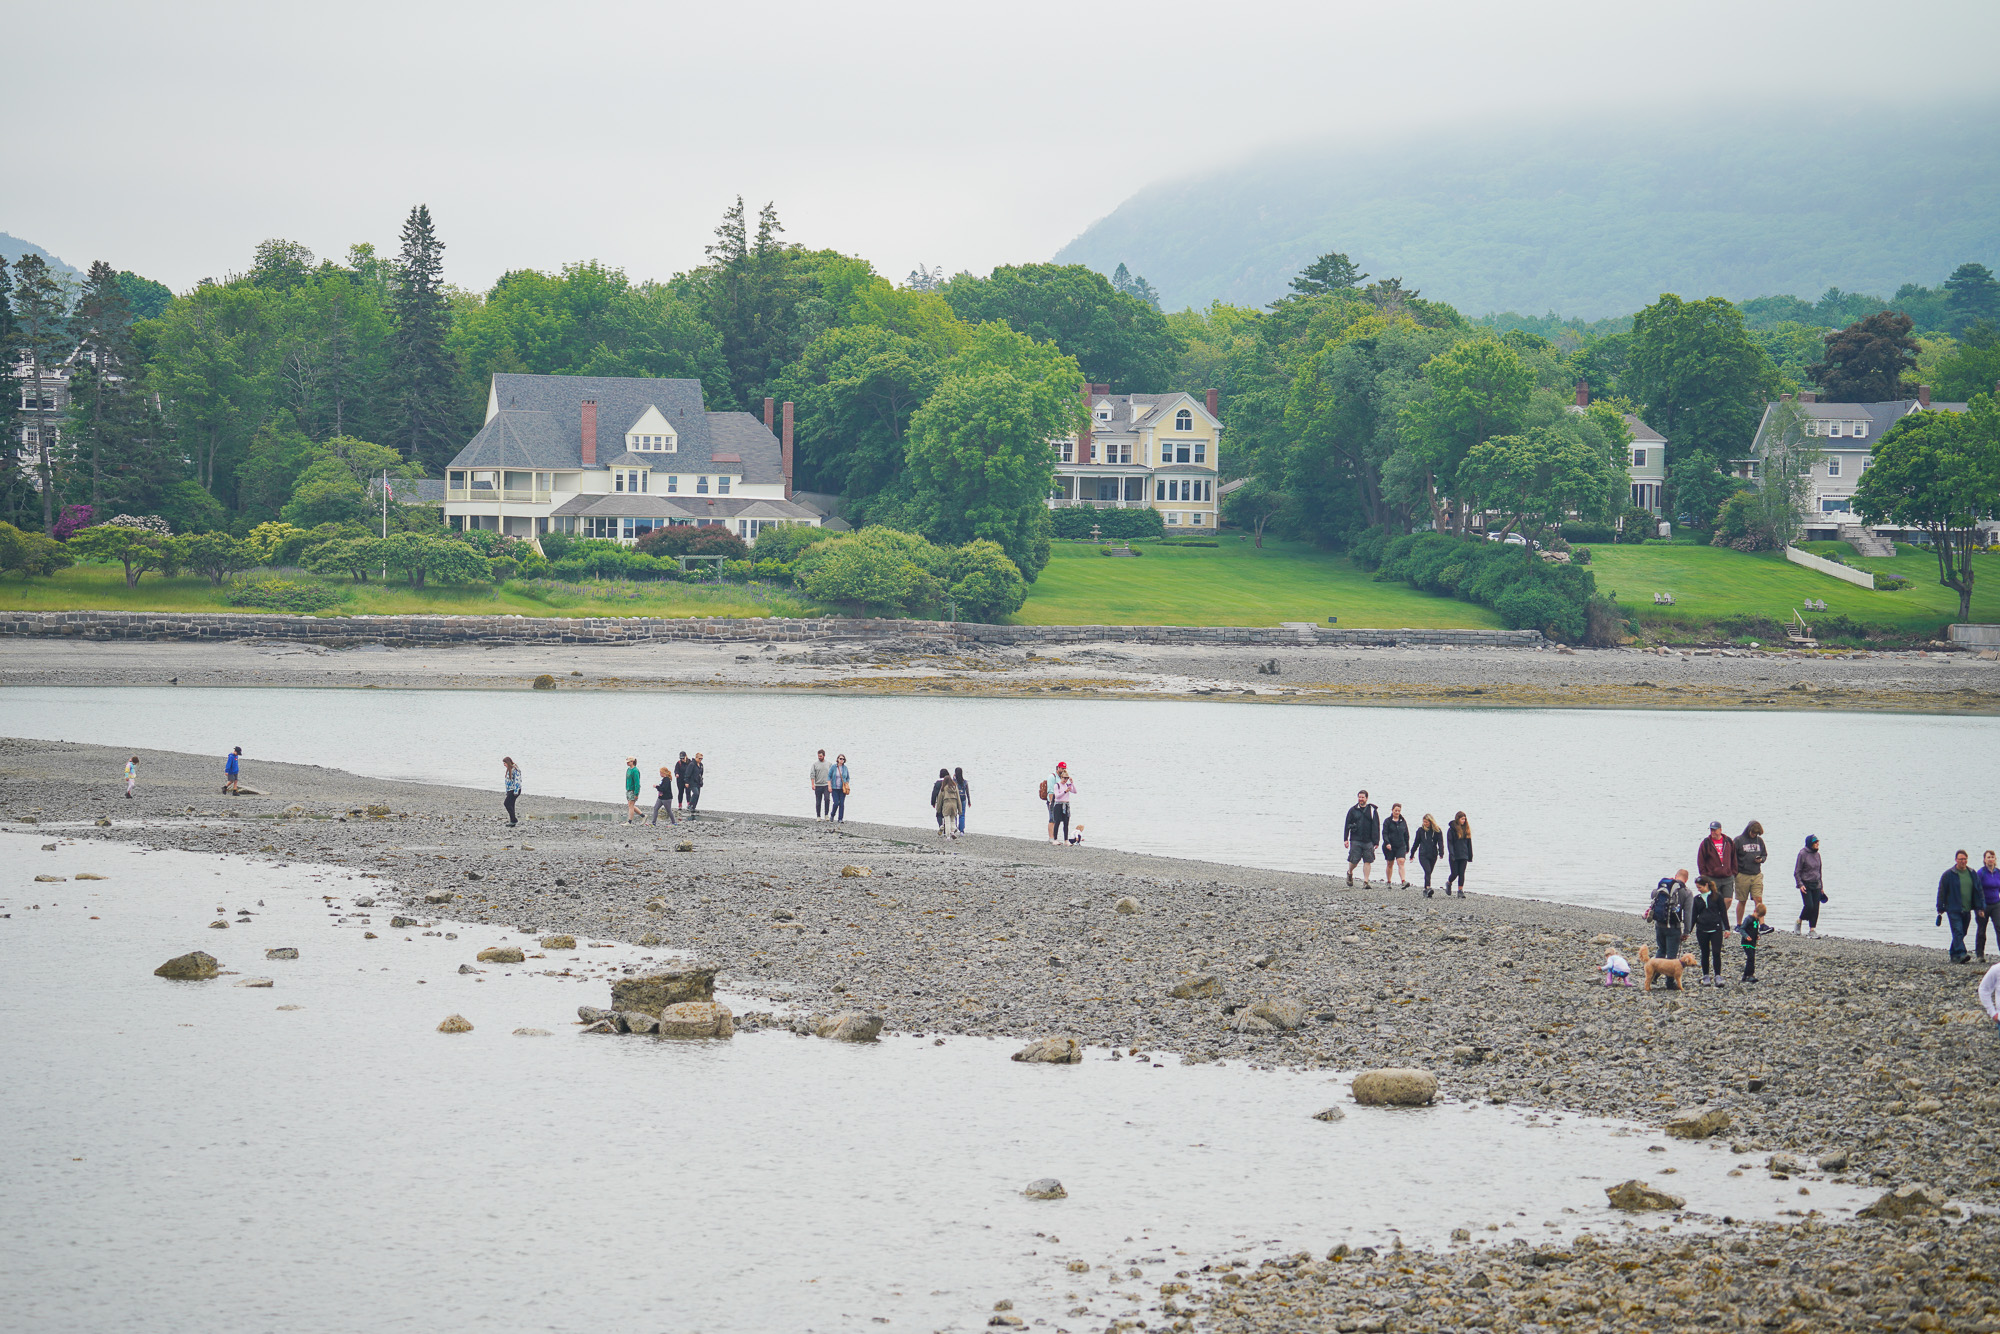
[[1360, 852]]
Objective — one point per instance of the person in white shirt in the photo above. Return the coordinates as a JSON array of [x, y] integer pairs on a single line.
[[1989, 994]]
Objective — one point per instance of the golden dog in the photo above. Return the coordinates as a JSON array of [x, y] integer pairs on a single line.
[[1667, 970]]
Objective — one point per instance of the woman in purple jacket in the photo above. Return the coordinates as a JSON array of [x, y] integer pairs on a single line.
[[1988, 876]]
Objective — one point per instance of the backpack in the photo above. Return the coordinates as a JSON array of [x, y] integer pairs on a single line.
[[1663, 907], [1044, 789]]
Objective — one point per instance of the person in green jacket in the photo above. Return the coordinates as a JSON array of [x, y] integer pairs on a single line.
[[1960, 898], [631, 791]]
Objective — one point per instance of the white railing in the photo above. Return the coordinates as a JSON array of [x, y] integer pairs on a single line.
[[1061, 503], [490, 495]]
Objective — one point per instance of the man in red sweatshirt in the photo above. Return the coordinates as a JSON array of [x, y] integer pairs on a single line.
[[1716, 859]]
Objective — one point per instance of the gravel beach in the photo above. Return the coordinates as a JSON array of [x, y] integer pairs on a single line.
[[1861, 1061], [1919, 682]]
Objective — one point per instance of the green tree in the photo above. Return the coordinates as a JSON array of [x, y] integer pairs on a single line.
[[281, 265], [1866, 362], [1329, 273], [356, 557], [1972, 296], [189, 508], [1116, 338], [876, 572], [856, 390], [215, 555], [1127, 283], [1254, 504], [753, 288], [1477, 390], [332, 345], [1700, 380], [1938, 472], [1538, 478], [984, 584], [147, 299], [137, 549], [1786, 456], [41, 342], [979, 449], [207, 365], [326, 492], [1697, 486], [1972, 367], [31, 555], [421, 369], [1211, 340], [434, 559]]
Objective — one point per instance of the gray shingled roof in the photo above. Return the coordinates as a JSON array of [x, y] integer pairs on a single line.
[[1122, 419], [1643, 434], [539, 424], [1879, 416]]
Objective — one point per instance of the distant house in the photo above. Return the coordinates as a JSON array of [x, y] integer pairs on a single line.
[[1846, 434], [1646, 466], [1144, 451], [615, 458], [38, 417]]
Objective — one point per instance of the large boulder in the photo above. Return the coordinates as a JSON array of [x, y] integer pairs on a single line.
[[455, 1023], [439, 896], [697, 1019], [502, 954], [1286, 1012], [1697, 1122], [1395, 1088], [1200, 986], [855, 872], [196, 967], [1051, 1051], [1127, 905], [850, 1026], [656, 991], [1636, 1196], [1048, 1188], [1906, 1201], [558, 942], [282, 952]]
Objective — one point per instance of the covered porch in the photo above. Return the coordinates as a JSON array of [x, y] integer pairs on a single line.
[[1100, 488]]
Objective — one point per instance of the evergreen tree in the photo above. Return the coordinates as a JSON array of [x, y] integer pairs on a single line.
[[41, 341], [1972, 295], [422, 368], [101, 327], [13, 482], [1329, 273]]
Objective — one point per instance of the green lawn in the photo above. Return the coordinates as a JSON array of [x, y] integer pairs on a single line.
[[102, 587], [1712, 582], [1231, 584]]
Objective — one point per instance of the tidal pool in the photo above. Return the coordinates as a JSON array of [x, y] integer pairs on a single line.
[[1575, 806], [193, 1156]]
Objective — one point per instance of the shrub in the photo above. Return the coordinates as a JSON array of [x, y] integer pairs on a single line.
[[785, 542], [1579, 555], [985, 584], [1639, 525], [1075, 523], [1527, 592], [545, 682], [72, 518], [32, 554], [1588, 532], [1889, 583], [285, 595], [877, 571]]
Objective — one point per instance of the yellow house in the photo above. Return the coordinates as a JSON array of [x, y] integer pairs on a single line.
[[1144, 451]]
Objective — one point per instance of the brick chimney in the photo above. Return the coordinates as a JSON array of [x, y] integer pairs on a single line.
[[769, 405], [788, 450], [1100, 389], [1923, 395], [1215, 403], [1806, 396], [590, 433], [1083, 437], [1583, 393]]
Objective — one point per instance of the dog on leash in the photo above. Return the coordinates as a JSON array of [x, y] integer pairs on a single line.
[[1667, 970]]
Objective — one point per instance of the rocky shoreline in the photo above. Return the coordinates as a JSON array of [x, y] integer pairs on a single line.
[[1863, 1062], [1481, 677]]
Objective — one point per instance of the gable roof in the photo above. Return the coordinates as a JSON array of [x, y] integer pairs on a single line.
[[1879, 416], [1151, 409], [537, 422]]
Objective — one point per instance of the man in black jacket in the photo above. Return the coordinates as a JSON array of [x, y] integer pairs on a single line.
[[1361, 834], [1960, 898]]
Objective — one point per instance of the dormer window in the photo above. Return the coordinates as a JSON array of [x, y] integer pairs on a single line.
[[1104, 414], [1183, 420], [648, 443]]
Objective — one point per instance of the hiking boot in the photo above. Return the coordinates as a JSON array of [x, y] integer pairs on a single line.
[[1350, 880]]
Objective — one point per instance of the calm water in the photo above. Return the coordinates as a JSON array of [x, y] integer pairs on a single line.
[[188, 1156], [1579, 806]]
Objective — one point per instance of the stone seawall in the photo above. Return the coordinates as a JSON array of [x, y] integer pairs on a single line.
[[439, 631]]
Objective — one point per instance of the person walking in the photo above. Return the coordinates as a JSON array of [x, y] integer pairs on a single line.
[[132, 781], [1429, 847], [663, 797], [1715, 858], [838, 780], [1989, 884], [1396, 846], [1754, 929], [964, 796], [1959, 898], [1711, 924], [1989, 995], [631, 790], [232, 772], [1812, 892], [510, 775], [1458, 850], [944, 801], [697, 775], [1360, 835], [1750, 857], [1665, 911], [681, 767], [822, 787], [1058, 791]]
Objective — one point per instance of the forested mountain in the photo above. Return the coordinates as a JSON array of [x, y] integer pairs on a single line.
[[1588, 220], [13, 247]]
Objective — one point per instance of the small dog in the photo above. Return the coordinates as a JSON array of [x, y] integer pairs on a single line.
[[1667, 970]]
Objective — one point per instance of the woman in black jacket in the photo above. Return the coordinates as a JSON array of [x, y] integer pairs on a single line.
[[1396, 846], [1429, 847], [1458, 848], [1711, 923]]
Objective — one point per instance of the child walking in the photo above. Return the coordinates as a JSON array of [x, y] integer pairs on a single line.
[[132, 777], [1754, 929]]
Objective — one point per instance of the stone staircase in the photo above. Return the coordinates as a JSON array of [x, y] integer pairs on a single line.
[[1865, 542]]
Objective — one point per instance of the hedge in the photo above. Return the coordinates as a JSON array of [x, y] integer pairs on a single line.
[[1075, 522], [1528, 592]]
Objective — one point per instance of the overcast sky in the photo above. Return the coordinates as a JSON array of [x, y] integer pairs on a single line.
[[170, 139]]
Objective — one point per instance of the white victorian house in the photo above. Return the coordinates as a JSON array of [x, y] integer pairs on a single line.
[[615, 458]]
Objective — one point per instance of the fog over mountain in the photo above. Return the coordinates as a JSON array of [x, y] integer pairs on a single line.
[[1591, 218]]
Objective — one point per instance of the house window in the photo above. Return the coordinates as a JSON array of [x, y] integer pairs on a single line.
[[1183, 420], [1638, 458], [722, 486], [673, 484], [701, 486], [1066, 451], [1118, 452], [1180, 452], [1860, 430], [1107, 488], [1135, 488], [1197, 521], [1834, 506], [1104, 414], [1833, 467], [1161, 494], [1201, 451]]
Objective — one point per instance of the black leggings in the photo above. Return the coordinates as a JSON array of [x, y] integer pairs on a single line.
[[1711, 950], [1457, 874], [822, 799], [1809, 907], [1429, 864], [512, 797], [1059, 818]]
